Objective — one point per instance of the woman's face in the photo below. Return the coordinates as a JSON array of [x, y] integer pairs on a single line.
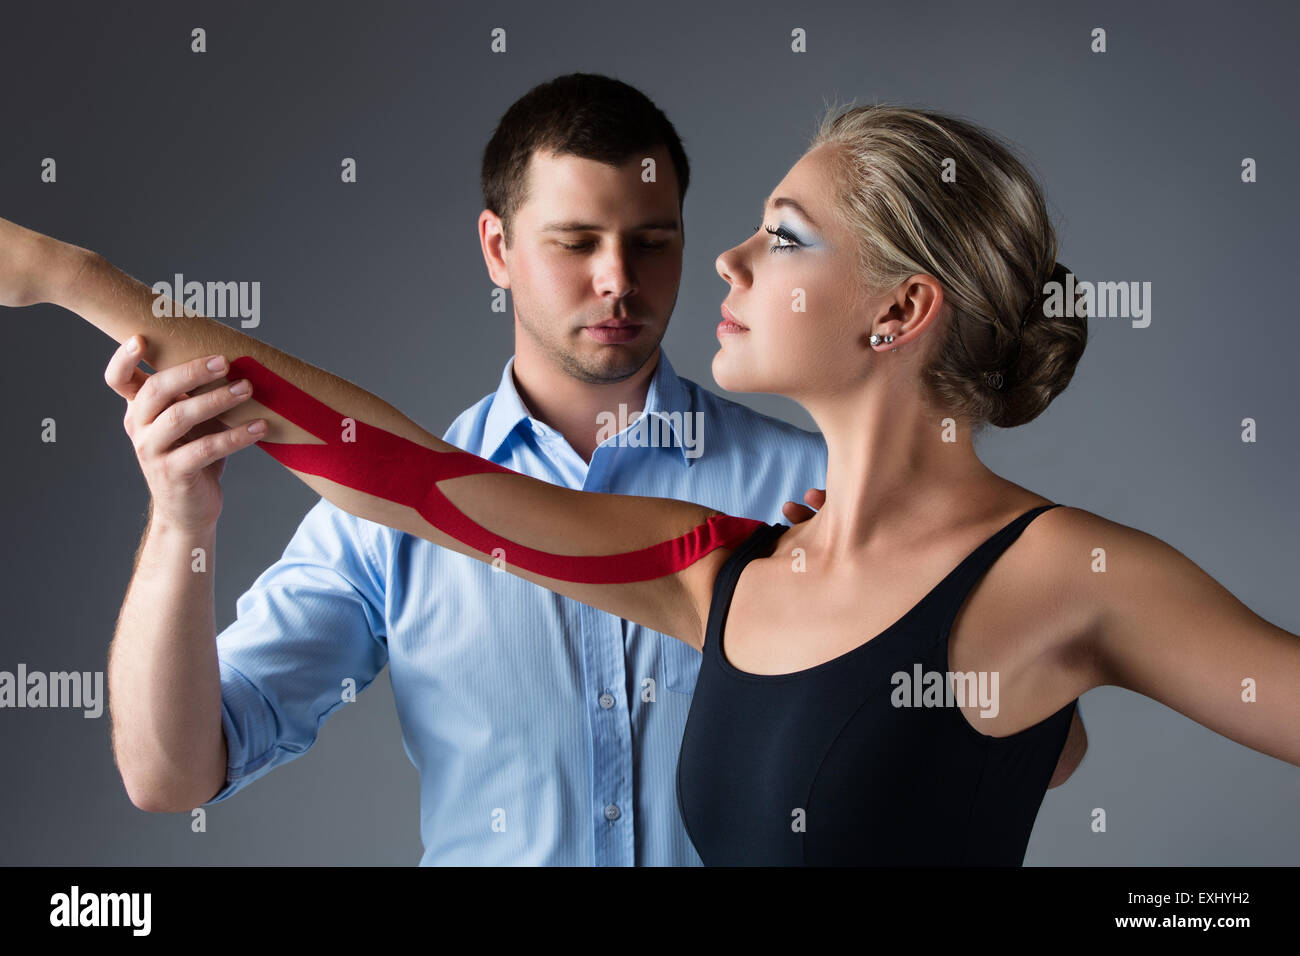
[[793, 290]]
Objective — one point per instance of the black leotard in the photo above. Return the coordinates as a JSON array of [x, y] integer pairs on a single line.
[[818, 767]]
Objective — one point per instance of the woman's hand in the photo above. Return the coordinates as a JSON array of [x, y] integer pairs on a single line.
[[34, 267]]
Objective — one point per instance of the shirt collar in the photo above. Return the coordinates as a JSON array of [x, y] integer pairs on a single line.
[[666, 398]]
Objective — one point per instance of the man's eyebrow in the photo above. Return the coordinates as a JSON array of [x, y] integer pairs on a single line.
[[781, 201], [670, 225]]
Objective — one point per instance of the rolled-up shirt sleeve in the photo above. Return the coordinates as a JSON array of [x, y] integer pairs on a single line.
[[309, 633]]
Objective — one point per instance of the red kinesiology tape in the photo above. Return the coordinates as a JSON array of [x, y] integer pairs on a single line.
[[391, 467]]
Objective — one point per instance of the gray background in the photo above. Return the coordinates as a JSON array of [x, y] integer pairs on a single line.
[[225, 166]]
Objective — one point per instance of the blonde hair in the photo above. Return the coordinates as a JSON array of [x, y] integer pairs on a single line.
[[985, 235]]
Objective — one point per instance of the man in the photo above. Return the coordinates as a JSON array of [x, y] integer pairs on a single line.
[[544, 731]]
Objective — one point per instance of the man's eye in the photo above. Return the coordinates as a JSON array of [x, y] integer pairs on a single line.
[[646, 244]]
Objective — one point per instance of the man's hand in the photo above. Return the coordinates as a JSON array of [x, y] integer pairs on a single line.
[[1076, 745], [795, 512], [180, 445], [35, 268]]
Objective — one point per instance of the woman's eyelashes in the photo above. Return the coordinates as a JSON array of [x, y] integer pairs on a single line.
[[786, 240]]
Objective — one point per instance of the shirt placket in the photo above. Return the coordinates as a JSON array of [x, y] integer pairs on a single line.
[[604, 683]]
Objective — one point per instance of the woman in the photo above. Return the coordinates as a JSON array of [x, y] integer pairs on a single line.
[[896, 291]]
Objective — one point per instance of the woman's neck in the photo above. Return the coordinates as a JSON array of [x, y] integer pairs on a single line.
[[896, 471]]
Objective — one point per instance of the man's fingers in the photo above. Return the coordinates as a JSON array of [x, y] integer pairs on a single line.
[[122, 374], [191, 415], [796, 512], [192, 457], [165, 385]]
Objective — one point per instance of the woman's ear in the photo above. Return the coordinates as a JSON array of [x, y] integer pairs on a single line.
[[916, 304]]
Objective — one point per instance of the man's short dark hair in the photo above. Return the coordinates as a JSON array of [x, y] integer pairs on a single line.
[[583, 114]]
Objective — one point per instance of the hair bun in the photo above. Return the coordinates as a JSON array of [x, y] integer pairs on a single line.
[[997, 380], [1034, 310]]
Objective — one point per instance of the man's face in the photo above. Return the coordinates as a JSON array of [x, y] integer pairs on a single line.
[[595, 245]]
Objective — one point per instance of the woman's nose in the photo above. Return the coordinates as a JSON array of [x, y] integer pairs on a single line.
[[731, 266]]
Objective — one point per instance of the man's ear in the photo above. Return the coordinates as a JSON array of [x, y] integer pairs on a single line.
[[492, 238]]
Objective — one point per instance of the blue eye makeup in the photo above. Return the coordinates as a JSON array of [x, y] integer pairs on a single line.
[[786, 239]]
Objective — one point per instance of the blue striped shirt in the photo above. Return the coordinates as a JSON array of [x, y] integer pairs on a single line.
[[544, 731]]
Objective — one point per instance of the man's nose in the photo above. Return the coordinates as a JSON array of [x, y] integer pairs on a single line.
[[615, 276]]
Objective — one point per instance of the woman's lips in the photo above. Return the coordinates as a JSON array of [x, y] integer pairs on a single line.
[[610, 334], [729, 325]]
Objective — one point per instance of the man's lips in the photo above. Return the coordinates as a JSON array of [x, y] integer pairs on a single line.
[[614, 331]]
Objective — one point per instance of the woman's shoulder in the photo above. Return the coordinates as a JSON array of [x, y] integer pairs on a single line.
[[703, 580], [1065, 529], [1061, 545], [1083, 561]]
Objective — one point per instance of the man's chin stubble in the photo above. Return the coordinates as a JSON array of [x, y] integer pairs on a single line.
[[609, 371]]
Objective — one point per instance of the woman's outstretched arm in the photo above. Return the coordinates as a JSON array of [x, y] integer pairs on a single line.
[[1163, 627], [639, 558]]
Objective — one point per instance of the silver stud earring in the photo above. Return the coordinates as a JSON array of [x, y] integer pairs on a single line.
[[876, 339]]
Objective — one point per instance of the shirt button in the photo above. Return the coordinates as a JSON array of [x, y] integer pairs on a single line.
[[612, 812], [607, 700]]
